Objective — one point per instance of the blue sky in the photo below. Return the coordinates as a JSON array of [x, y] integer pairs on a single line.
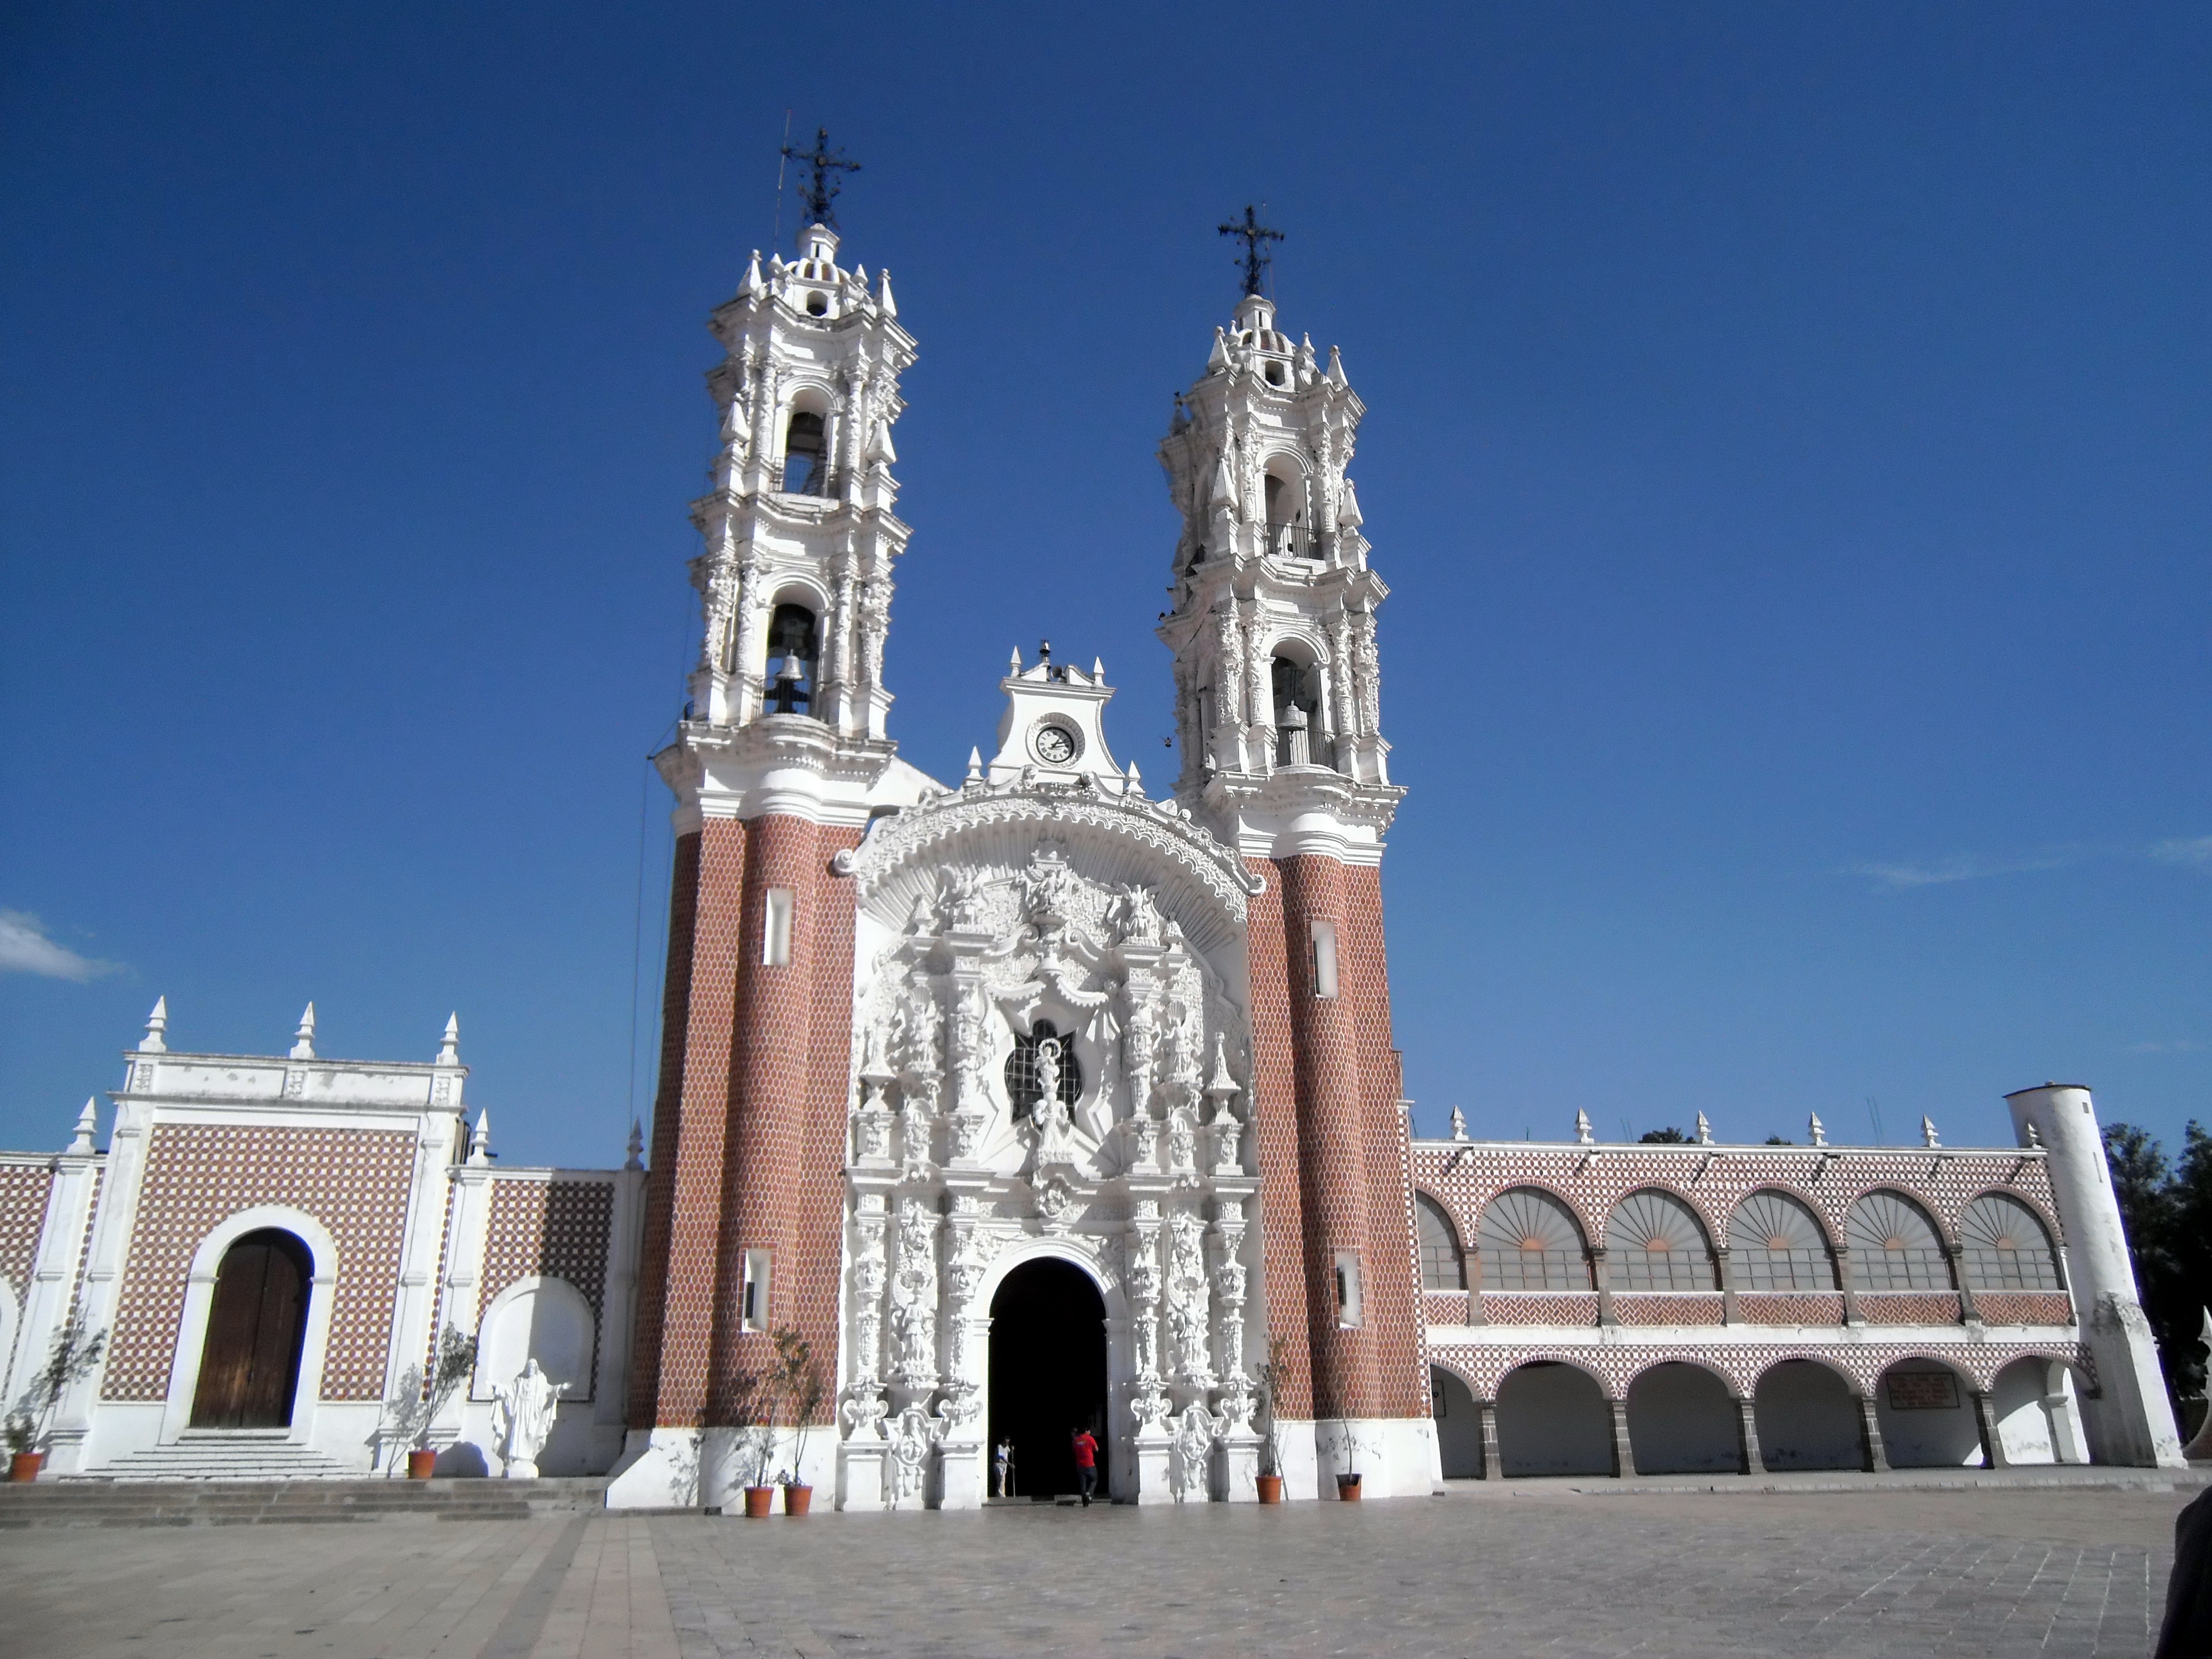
[[1787, 445]]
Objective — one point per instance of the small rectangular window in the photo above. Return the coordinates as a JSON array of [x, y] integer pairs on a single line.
[[752, 1304], [775, 934], [1324, 958], [1347, 1290]]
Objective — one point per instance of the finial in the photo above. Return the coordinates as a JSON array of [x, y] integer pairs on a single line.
[[157, 1023], [751, 288], [1335, 373], [818, 193], [884, 300], [2034, 1136], [1256, 257], [1928, 1136], [1217, 359], [636, 1159], [1817, 1129], [303, 1040], [1347, 508], [1132, 781], [449, 1045], [975, 766], [1044, 653], [87, 1123], [1704, 1131], [1018, 659], [1583, 1129], [1222, 1084], [1099, 670], [480, 1142], [1459, 1124]]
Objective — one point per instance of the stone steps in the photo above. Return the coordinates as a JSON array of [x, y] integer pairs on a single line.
[[94, 1502], [228, 1457]]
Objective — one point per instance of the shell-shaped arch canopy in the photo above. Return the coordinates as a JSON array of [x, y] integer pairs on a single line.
[[1654, 1241], [1894, 1246], [2006, 1246], [1776, 1244], [1530, 1242], [1198, 883]]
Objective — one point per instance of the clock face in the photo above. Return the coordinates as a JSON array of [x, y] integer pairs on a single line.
[[1054, 744]]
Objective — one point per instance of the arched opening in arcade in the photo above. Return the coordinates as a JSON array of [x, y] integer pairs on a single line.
[[1047, 1374], [1682, 1420], [2033, 1400], [1807, 1418], [257, 1326], [1459, 1425], [1553, 1419], [1926, 1410]]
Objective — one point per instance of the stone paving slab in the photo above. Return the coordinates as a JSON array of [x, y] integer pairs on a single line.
[[1543, 1569]]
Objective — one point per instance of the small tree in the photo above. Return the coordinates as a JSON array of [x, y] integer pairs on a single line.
[[30, 1423], [415, 1407], [1270, 1382], [796, 1379]]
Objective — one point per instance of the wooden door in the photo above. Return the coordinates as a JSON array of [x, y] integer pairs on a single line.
[[250, 1364]]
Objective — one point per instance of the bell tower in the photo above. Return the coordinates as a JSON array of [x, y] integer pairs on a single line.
[[779, 759], [1277, 700]]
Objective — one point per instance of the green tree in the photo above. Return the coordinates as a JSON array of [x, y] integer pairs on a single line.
[[1668, 1137]]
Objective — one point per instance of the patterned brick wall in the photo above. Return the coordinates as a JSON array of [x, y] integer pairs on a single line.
[[1860, 1363], [23, 1191], [1540, 1307], [2025, 1307], [1790, 1308], [677, 1269], [550, 1230], [1275, 1135], [354, 1181], [1644, 1307], [1924, 1309]]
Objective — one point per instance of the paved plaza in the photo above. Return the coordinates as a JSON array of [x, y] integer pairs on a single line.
[[1533, 1568]]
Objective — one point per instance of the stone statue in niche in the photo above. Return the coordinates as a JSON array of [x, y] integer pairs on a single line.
[[1050, 1114], [919, 1037], [1133, 916], [522, 1415], [960, 903]]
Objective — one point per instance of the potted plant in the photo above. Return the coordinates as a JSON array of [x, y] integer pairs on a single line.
[[1347, 1479], [30, 1424], [416, 1404], [757, 1406], [1271, 1451], [798, 1380]]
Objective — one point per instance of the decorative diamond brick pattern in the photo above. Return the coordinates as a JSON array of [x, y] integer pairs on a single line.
[[1794, 1308], [1643, 1307], [549, 1230], [2025, 1307], [1929, 1308], [1540, 1307], [1615, 1367], [354, 1181], [23, 1191], [1464, 1176]]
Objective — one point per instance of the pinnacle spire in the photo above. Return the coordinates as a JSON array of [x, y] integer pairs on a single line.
[[636, 1159], [157, 1023], [87, 1125], [303, 1040], [449, 1045], [480, 1141]]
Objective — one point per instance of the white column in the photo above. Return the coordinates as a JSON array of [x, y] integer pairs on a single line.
[[127, 1147]]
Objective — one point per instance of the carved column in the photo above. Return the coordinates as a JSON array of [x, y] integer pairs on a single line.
[[1605, 1315], [1624, 1449], [1851, 1314], [1475, 1316], [1148, 1401], [748, 658], [861, 1455], [1493, 1464], [1722, 1260], [913, 1299], [833, 699], [1968, 1312], [1229, 688], [1259, 669], [1991, 1431]]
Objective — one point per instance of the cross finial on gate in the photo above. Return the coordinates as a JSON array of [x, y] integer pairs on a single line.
[[1255, 237]]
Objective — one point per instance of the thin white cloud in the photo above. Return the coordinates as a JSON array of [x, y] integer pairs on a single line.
[[2178, 1045], [1967, 866], [25, 949], [2195, 852]]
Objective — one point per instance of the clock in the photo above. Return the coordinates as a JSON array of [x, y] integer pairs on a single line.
[[1054, 744]]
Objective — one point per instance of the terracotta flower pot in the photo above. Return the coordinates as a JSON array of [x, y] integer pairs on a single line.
[[25, 1466], [422, 1464], [760, 1502], [1271, 1489], [1348, 1488], [797, 1499]]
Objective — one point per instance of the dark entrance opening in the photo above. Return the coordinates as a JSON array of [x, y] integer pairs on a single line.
[[1048, 1373], [250, 1363]]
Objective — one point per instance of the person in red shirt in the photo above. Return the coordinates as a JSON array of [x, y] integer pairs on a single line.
[[1086, 1463]]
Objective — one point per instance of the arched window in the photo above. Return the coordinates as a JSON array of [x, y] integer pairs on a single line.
[[1442, 1268], [1894, 1246], [1289, 535], [1530, 1242], [1775, 1244], [805, 455], [1298, 711], [2006, 1246], [1024, 1085], [1654, 1241], [792, 649]]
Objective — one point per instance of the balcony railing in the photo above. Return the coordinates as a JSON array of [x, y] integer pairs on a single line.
[[802, 475], [1290, 541]]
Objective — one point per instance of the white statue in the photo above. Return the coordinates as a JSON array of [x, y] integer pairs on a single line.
[[522, 1412]]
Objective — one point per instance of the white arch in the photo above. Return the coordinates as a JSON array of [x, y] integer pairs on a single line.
[[564, 1302], [1054, 1248], [199, 1303]]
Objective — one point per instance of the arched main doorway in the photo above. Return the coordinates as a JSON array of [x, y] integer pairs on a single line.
[[250, 1362], [1048, 1373]]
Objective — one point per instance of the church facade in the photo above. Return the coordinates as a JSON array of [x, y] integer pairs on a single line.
[[1035, 1100]]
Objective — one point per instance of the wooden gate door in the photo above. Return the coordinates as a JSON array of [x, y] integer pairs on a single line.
[[250, 1364]]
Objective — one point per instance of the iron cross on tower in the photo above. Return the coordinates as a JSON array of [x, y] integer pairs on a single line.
[[827, 164], [1255, 237]]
